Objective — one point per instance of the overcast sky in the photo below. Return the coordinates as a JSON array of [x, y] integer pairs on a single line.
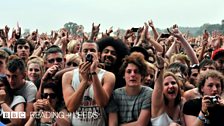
[[53, 14]]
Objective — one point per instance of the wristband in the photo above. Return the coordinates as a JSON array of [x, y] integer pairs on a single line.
[[201, 118], [206, 114], [204, 120]]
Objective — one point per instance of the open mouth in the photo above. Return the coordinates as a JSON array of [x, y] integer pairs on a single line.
[[171, 91], [133, 80]]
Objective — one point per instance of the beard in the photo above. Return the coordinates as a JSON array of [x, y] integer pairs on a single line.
[[109, 61]]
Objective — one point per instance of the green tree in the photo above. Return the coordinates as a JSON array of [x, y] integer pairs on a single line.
[[71, 27]]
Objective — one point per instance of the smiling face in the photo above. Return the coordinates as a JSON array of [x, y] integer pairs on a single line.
[[109, 56], [170, 89], [34, 72], [132, 76]]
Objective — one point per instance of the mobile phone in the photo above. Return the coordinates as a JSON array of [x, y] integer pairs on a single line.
[[134, 29], [163, 35]]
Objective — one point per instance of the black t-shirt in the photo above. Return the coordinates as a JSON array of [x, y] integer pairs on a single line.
[[216, 113]]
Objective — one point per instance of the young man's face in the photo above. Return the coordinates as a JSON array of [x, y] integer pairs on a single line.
[[207, 68], [220, 64], [88, 48], [132, 76], [212, 87], [23, 51], [194, 76], [109, 56], [15, 79], [55, 59]]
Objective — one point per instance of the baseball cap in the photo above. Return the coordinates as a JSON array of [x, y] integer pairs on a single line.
[[218, 53]]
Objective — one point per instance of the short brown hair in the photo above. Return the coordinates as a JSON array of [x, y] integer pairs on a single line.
[[211, 73], [137, 59]]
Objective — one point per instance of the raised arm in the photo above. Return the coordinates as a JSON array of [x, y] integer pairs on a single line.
[[102, 90], [95, 31], [155, 33], [189, 50], [157, 94]]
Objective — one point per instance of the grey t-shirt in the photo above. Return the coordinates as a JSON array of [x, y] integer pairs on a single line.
[[28, 91], [127, 107]]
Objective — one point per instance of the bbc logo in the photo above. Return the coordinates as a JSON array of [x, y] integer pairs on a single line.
[[14, 115]]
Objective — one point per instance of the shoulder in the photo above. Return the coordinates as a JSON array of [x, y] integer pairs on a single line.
[[147, 89], [69, 74], [122, 89], [109, 74], [17, 100], [30, 86]]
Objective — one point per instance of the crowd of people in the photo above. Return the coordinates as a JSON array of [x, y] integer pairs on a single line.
[[140, 78]]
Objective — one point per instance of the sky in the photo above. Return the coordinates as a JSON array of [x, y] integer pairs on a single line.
[[47, 15]]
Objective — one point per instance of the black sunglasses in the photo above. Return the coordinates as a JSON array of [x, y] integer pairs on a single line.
[[53, 60], [72, 63], [51, 95]]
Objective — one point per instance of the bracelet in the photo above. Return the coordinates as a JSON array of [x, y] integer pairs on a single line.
[[206, 114], [204, 120]]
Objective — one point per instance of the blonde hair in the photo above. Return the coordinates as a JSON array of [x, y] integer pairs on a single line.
[[181, 57], [73, 57], [71, 45], [36, 60], [151, 66]]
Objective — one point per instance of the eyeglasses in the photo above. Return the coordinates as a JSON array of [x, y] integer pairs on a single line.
[[21, 47], [51, 95], [53, 60], [72, 63]]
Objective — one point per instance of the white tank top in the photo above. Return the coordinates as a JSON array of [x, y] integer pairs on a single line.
[[88, 113]]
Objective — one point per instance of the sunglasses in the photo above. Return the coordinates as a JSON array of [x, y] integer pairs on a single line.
[[72, 63], [194, 66], [53, 60], [25, 47], [51, 95]]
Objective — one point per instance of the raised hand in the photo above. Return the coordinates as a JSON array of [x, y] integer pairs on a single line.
[[110, 30], [151, 23], [95, 31], [175, 32], [205, 35], [18, 31], [128, 34]]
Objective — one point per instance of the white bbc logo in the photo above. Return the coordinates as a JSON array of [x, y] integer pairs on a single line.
[[13, 115]]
